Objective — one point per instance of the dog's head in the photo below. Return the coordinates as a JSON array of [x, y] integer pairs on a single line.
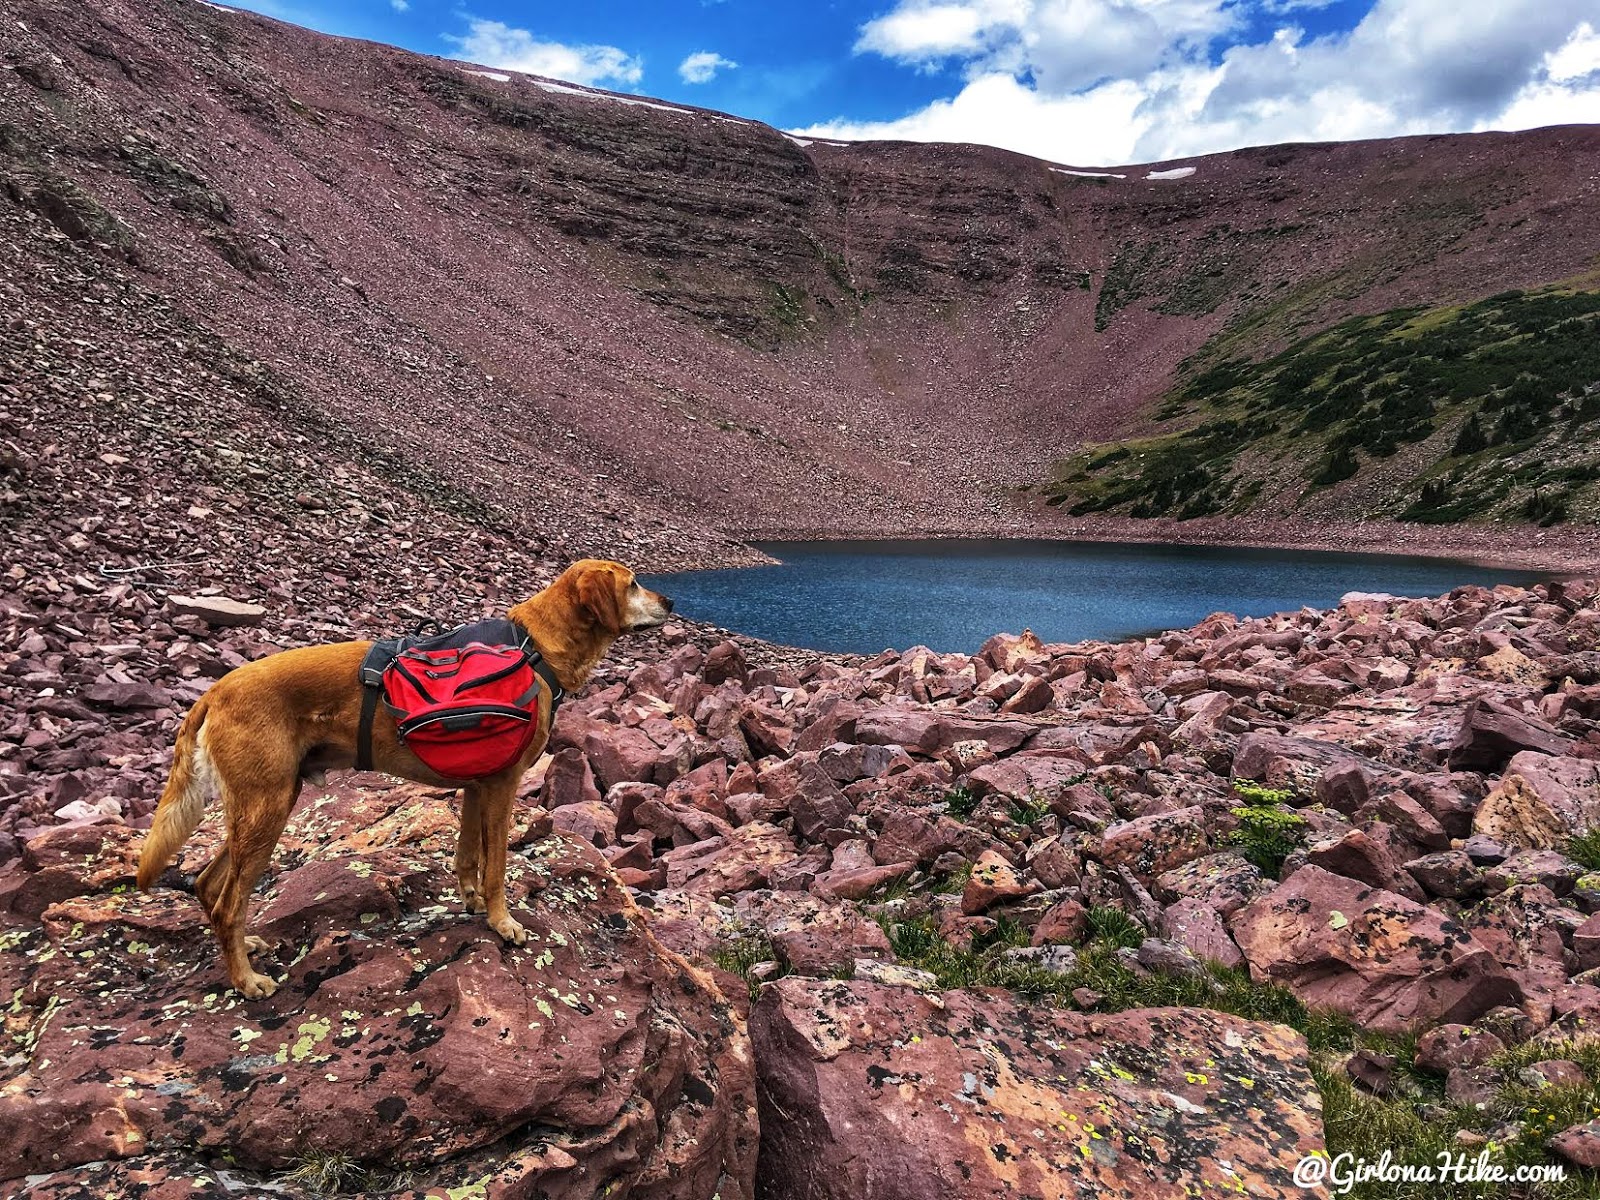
[[610, 599]]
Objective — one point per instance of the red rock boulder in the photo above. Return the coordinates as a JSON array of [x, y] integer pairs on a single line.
[[1156, 843], [1388, 962]]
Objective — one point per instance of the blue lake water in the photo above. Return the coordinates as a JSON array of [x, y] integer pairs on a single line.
[[951, 595]]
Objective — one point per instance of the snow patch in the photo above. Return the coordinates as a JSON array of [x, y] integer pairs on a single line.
[[1174, 173], [497, 76], [1088, 174], [568, 90], [219, 7], [800, 141]]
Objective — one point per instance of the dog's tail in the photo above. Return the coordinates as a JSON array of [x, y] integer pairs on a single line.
[[191, 784]]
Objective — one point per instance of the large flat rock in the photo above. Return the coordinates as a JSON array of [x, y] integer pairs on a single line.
[[405, 1034], [888, 1093]]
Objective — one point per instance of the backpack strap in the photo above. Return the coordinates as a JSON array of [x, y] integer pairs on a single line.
[[522, 638], [543, 671], [372, 667]]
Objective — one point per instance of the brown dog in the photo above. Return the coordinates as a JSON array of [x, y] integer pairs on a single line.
[[263, 728]]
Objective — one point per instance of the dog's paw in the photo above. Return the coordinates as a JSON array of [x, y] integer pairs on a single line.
[[252, 943], [511, 930], [472, 900], [256, 987]]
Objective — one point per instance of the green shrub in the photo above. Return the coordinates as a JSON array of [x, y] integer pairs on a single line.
[[960, 802], [1268, 832], [1339, 465], [1547, 508], [1470, 439]]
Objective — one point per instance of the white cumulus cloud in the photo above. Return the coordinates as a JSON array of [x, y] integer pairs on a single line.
[[1062, 44], [495, 44], [924, 32], [1565, 92], [400, 5], [1101, 82], [702, 66], [998, 110], [1578, 58]]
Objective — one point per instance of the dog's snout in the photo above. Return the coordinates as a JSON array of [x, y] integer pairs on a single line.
[[666, 602]]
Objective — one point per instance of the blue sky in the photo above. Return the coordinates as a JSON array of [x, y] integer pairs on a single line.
[[1089, 82]]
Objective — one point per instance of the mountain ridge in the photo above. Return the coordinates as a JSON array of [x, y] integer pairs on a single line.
[[681, 316]]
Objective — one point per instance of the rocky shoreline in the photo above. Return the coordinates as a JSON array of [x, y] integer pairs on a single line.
[[979, 894], [1560, 551]]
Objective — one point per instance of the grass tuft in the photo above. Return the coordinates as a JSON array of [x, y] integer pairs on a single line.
[[324, 1174], [1585, 849], [960, 803], [739, 956], [1116, 928]]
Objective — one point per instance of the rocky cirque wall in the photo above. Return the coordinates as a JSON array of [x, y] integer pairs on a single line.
[[647, 307]]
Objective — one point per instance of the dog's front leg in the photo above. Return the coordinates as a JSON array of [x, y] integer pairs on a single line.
[[469, 849], [498, 799]]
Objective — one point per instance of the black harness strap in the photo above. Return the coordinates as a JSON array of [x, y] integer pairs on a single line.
[[377, 660], [543, 671], [372, 668]]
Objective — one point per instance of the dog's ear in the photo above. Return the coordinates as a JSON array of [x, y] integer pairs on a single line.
[[597, 594]]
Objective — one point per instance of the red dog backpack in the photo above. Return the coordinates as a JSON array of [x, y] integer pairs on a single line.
[[466, 702], [466, 712]]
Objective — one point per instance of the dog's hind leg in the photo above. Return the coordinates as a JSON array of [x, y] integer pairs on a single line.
[[469, 850], [255, 822], [498, 801]]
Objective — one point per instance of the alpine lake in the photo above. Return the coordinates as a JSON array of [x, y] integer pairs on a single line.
[[860, 597]]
